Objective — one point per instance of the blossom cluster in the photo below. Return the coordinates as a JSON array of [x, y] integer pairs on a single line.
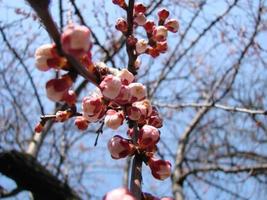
[[75, 41], [119, 97], [156, 41]]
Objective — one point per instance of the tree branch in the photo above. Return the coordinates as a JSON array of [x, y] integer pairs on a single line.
[[31, 175]]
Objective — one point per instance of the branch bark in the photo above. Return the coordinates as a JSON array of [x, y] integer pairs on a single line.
[[31, 175]]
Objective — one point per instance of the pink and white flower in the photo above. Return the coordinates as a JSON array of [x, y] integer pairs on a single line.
[[155, 119], [81, 123], [124, 96], [110, 87], [148, 136], [141, 46], [120, 147], [139, 8], [121, 25], [126, 77], [56, 88], [137, 92], [160, 33], [163, 14], [172, 25], [75, 40], [114, 119], [133, 113], [93, 108], [46, 57], [140, 19], [160, 169]]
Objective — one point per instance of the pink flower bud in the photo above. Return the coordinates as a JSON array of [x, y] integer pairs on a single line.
[[133, 113], [141, 46], [121, 25], [172, 25], [96, 117], [70, 97], [155, 119], [140, 19], [114, 119], [139, 111], [139, 8], [81, 123], [110, 86], [167, 198], [148, 136], [149, 26], [119, 194], [93, 108], [62, 116], [126, 77], [153, 52], [145, 107], [56, 88], [120, 147], [163, 14], [160, 169], [92, 105], [124, 96], [162, 47], [75, 40], [137, 92], [46, 58], [160, 33]]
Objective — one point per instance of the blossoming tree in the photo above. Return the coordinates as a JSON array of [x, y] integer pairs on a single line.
[[125, 102]]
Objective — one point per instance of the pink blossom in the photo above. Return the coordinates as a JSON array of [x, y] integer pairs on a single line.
[[139, 110], [81, 123], [160, 33], [148, 136], [155, 119], [126, 77], [172, 25], [133, 113], [56, 88], [121, 25], [70, 97], [114, 119], [137, 92], [120, 147], [141, 46], [110, 86], [92, 105], [124, 96], [46, 58], [149, 26], [75, 40], [163, 14], [160, 169], [139, 8], [140, 19]]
